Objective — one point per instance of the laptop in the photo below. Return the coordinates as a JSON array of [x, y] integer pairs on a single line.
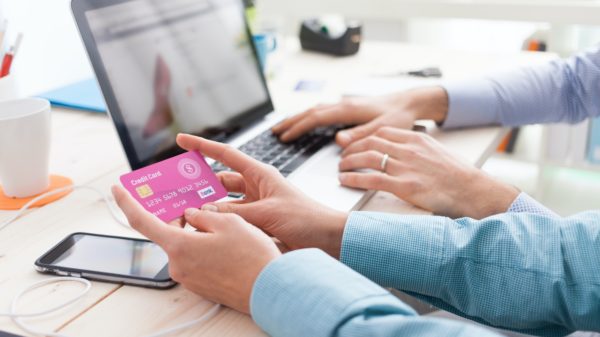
[[190, 66]]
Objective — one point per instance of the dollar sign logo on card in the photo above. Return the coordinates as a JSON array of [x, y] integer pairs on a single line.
[[189, 168]]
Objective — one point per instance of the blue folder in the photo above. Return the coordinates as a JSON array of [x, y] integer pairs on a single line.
[[84, 95]]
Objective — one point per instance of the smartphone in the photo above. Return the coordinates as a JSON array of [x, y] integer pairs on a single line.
[[6, 334], [108, 258]]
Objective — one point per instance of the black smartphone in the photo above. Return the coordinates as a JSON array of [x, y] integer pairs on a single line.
[[108, 258], [6, 334]]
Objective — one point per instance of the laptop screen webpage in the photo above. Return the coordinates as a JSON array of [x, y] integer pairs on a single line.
[[178, 66]]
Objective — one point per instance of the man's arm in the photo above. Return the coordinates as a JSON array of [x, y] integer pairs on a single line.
[[527, 272], [308, 293], [561, 91]]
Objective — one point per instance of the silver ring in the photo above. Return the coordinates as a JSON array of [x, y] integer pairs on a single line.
[[384, 162]]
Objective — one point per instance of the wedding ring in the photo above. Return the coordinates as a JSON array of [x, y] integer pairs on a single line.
[[384, 162]]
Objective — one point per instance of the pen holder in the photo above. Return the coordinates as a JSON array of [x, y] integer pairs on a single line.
[[8, 88]]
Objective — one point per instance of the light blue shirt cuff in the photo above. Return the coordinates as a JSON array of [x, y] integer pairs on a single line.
[[471, 103], [526, 204]]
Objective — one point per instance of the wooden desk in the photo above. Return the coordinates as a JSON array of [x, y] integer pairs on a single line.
[[86, 148]]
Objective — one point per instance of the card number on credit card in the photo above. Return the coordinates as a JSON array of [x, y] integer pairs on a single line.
[[168, 188]]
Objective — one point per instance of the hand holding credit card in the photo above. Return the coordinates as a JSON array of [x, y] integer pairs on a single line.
[[168, 188]]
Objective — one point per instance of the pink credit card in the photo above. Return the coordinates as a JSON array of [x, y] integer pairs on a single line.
[[168, 188]]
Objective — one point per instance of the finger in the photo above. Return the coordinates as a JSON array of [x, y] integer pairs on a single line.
[[142, 221], [179, 222], [289, 122], [223, 153], [236, 207], [368, 181], [283, 248], [205, 220], [347, 137], [318, 117], [233, 182], [363, 160], [397, 135], [371, 144]]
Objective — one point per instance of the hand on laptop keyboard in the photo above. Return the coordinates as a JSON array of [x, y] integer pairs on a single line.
[[286, 157]]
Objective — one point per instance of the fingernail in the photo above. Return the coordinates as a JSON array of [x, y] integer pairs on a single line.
[[210, 208], [342, 176], [190, 212], [344, 137]]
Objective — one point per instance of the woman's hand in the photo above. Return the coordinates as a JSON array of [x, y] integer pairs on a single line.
[[220, 261], [422, 172], [370, 114], [271, 202]]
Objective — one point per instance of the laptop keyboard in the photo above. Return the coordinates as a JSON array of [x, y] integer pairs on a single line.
[[286, 157]]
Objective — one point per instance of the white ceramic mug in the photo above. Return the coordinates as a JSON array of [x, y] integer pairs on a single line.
[[24, 146]]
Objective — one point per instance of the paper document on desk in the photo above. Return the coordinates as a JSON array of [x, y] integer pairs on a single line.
[[373, 86]]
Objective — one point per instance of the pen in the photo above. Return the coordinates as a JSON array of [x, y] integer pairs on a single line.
[[10, 56]]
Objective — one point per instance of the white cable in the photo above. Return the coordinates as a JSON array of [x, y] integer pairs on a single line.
[[16, 317], [208, 315], [113, 212]]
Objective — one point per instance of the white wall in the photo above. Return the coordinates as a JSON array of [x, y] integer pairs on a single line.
[[448, 23], [51, 54]]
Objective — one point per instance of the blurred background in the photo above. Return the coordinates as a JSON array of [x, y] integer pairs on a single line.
[[551, 162]]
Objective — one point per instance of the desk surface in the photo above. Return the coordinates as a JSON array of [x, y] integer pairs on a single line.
[[86, 148]]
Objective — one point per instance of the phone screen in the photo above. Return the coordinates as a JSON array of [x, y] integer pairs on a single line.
[[113, 255]]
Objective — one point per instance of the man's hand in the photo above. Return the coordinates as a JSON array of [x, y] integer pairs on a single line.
[[370, 114], [422, 172], [220, 261], [271, 202]]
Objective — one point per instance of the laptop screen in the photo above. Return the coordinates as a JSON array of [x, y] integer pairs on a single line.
[[178, 66]]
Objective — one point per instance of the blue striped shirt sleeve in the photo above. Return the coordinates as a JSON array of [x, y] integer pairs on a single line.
[[560, 91], [526, 272]]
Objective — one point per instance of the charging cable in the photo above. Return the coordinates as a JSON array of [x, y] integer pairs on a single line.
[[17, 317], [113, 211]]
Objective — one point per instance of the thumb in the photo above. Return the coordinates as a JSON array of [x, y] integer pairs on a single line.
[[347, 137]]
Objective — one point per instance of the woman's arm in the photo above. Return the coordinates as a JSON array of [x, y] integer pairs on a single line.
[[560, 91]]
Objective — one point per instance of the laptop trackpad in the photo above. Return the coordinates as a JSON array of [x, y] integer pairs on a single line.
[[318, 178]]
